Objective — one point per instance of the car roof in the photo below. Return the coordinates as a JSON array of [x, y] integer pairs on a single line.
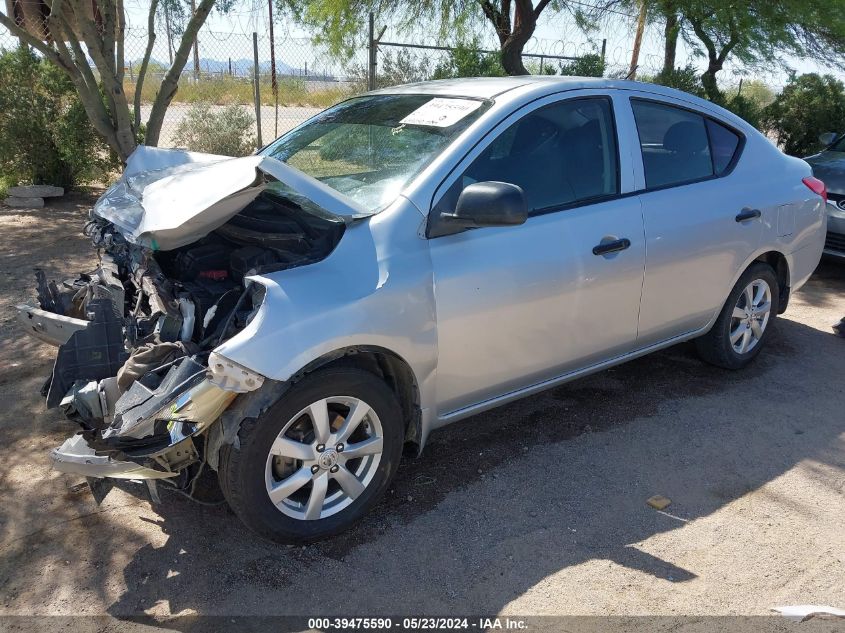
[[541, 85], [489, 87]]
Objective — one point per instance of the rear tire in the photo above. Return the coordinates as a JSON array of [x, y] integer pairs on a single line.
[[301, 473], [743, 325]]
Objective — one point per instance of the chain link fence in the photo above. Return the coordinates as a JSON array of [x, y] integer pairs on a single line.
[[222, 73]]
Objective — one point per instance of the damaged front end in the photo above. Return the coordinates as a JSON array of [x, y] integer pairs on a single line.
[[136, 366]]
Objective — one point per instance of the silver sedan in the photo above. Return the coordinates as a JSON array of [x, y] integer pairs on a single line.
[[294, 319]]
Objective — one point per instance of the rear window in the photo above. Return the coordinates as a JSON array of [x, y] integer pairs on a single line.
[[674, 144], [723, 145], [679, 146]]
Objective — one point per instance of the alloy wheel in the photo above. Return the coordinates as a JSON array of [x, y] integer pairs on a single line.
[[324, 458], [750, 316]]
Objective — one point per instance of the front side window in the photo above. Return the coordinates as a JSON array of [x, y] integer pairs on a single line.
[[369, 148], [674, 142], [559, 155]]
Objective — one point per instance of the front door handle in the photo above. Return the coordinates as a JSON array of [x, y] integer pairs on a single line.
[[611, 247], [748, 214]]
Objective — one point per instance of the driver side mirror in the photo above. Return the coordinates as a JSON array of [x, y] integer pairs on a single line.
[[827, 138], [488, 204]]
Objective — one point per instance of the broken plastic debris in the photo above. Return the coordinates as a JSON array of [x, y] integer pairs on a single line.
[[803, 612], [659, 502]]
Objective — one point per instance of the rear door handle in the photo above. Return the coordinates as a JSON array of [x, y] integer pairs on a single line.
[[611, 247], [748, 214]]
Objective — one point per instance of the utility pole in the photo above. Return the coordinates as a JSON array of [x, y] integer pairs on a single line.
[[274, 86], [196, 45], [169, 32], [638, 40]]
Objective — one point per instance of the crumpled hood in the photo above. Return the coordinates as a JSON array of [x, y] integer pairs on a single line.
[[830, 168], [169, 198]]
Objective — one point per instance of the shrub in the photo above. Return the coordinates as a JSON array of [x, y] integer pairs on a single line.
[[45, 134], [744, 108], [687, 79], [223, 130], [809, 105], [590, 65], [466, 61]]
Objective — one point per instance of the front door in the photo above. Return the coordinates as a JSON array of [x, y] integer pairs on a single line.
[[520, 305]]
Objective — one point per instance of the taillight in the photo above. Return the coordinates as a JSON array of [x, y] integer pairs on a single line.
[[816, 186]]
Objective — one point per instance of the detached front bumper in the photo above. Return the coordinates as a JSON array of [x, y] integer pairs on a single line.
[[77, 458], [135, 364], [51, 328]]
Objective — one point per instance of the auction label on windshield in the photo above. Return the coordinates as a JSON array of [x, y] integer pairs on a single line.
[[441, 112]]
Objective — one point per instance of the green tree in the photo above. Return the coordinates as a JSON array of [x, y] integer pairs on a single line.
[[85, 40], [808, 106], [750, 33], [338, 23], [758, 33], [45, 136]]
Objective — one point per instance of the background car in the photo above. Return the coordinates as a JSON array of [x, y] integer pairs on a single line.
[[829, 166]]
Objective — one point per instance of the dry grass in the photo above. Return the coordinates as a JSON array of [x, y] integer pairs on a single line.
[[227, 90]]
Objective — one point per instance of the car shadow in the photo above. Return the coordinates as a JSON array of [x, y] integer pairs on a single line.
[[505, 499]]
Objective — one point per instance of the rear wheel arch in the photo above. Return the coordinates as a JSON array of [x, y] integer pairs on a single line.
[[779, 264]]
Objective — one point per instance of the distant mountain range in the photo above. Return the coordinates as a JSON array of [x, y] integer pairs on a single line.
[[240, 67]]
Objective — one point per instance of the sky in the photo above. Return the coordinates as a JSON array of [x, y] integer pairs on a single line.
[[230, 36]]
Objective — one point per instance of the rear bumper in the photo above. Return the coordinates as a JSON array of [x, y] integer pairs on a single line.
[[834, 243]]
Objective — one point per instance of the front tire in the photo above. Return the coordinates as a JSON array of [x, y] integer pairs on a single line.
[[318, 460], [743, 325]]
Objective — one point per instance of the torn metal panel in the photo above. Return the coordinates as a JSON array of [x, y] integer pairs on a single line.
[[169, 198]]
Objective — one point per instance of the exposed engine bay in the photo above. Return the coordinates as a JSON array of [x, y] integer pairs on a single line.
[[136, 366]]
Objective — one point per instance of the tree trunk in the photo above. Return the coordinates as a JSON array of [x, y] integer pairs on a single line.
[[670, 41], [170, 83], [512, 56], [708, 79], [638, 40], [524, 23]]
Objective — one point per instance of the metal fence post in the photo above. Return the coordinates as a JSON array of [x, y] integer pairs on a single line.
[[257, 89], [371, 66]]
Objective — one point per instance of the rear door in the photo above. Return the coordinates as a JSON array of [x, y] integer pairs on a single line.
[[699, 217]]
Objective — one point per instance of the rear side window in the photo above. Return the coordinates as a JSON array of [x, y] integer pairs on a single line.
[[674, 144], [723, 145]]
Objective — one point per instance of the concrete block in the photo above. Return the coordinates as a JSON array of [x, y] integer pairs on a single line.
[[26, 203], [36, 191]]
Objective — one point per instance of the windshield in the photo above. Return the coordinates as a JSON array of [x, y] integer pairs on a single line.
[[369, 148]]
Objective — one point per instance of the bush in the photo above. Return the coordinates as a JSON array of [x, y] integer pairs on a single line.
[[224, 130], [466, 61], [808, 106], [45, 134], [744, 108], [590, 65], [687, 79]]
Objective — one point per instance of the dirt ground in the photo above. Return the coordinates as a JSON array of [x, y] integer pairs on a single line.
[[534, 508]]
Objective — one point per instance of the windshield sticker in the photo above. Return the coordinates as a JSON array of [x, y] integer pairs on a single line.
[[441, 112]]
